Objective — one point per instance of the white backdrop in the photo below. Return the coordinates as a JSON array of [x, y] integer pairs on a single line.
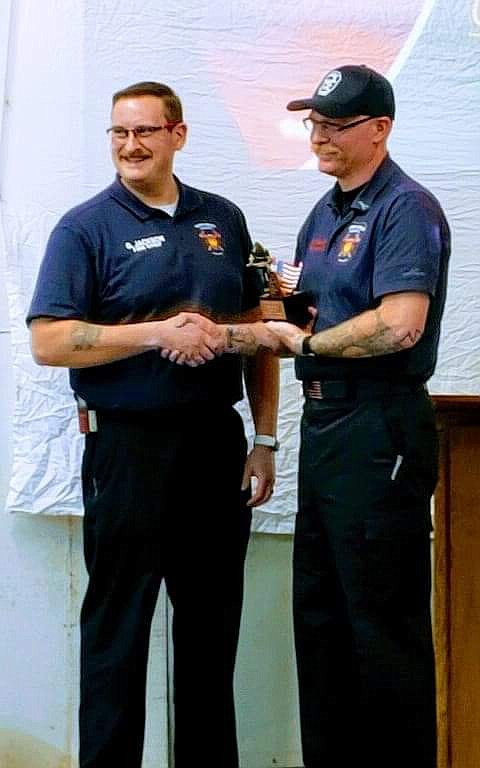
[[235, 66]]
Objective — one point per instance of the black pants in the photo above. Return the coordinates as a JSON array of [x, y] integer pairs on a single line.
[[162, 501], [363, 635]]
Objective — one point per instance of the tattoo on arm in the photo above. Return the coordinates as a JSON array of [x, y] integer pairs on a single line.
[[410, 338], [242, 341], [349, 340], [84, 337]]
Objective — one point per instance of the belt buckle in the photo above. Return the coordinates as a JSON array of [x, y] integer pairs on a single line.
[[314, 390]]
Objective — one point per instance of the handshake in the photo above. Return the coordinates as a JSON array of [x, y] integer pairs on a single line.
[[188, 338], [191, 339]]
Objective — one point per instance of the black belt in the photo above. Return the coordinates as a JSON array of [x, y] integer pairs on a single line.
[[344, 389]]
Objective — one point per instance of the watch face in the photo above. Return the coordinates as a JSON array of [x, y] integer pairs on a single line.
[[268, 441]]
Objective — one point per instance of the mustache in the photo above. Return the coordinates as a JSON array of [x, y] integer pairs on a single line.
[[134, 155]]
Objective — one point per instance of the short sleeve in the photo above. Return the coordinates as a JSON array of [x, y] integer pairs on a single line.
[[410, 244], [66, 280]]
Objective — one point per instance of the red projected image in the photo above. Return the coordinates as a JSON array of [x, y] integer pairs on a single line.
[[275, 54]]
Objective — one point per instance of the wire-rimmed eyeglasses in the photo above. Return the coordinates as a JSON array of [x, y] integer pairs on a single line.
[[119, 133], [330, 129]]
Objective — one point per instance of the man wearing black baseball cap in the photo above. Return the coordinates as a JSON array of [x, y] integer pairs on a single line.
[[374, 253], [350, 90]]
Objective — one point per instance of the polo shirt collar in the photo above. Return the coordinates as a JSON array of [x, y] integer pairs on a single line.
[[379, 180], [369, 192], [189, 200]]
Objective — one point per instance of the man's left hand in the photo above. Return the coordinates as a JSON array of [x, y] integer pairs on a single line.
[[290, 335], [261, 465]]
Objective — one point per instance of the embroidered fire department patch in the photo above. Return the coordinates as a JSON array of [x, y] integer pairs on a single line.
[[350, 242], [210, 238]]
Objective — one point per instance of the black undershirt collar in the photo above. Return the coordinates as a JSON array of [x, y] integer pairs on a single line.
[[343, 200]]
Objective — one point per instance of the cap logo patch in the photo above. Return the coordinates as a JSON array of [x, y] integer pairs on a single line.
[[329, 83], [210, 238]]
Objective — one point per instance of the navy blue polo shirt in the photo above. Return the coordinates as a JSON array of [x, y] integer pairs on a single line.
[[393, 238], [114, 259]]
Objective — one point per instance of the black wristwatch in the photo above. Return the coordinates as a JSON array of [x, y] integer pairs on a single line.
[[306, 348]]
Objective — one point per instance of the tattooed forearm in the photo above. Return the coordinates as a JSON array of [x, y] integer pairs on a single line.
[[241, 341], [364, 336], [411, 338], [84, 337], [249, 339]]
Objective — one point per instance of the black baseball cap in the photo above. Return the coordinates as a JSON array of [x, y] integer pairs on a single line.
[[349, 91]]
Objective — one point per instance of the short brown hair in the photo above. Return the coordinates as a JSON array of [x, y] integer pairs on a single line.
[[173, 105]]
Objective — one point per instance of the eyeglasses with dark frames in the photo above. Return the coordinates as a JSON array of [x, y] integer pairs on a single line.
[[330, 129], [119, 133]]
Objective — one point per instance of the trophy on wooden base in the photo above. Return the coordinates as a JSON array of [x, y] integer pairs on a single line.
[[279, 301]]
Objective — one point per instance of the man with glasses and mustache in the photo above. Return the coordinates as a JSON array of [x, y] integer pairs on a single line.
[[129, 292], [374, 251]]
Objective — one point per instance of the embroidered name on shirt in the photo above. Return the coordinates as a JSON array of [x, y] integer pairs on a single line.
[[145, 243], [318, 244]]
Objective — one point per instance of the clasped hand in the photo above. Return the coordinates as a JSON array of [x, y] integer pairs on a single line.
[[191, 339]]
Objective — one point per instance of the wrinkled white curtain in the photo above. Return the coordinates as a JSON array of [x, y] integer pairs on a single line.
[[235, 66]]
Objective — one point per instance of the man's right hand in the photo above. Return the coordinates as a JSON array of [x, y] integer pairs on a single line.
[[187, 338]]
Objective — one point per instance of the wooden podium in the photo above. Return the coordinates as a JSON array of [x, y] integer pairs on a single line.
[[457, 581]]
